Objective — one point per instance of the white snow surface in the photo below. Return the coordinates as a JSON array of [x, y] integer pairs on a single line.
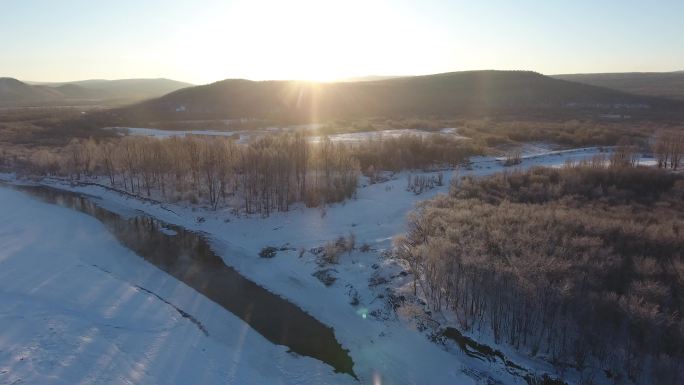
[[158, 133], [150, 339], [72, 313], [244, 136], [356, 137]]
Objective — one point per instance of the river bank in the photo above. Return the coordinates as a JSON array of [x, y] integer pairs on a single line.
[[384, 345]]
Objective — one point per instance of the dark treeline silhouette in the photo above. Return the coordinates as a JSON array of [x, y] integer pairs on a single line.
[[662, 84], [266, 175], [581, 265]]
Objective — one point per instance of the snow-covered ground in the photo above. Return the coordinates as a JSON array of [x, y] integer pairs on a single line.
[[542, 152], [157, 133], [530, 148], [241, 136], [244, 136], [386, 349], [75, 310], [354, 137]]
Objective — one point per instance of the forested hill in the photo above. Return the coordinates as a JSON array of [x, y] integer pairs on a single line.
[[131, 90], [14, 92], [661, 84], [448, 94]]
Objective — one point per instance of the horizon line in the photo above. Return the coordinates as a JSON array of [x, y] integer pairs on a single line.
[[349, 79]]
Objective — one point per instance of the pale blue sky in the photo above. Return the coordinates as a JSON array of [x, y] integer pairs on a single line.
[[206, 40]]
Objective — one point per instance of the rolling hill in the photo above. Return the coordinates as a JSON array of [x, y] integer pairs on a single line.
[[17, 93], [448, 95], [13, 91], [660, 84], [124, 89]]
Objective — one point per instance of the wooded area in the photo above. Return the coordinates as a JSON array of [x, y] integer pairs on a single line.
[[581, 265], [668, 149], [269, 174], [573, 133]]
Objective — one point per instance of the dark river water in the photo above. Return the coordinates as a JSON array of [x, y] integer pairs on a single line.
[[188, 257]]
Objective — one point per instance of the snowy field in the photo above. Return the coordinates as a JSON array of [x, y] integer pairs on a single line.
[[244, 136], [355, 137], [73, 312], [240, 136], [386, 349], [157, 133], [532, 148]]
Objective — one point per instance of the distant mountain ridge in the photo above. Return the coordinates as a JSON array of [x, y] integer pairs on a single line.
[[660, 84], [448, 94], [15, 92], [369, 78]]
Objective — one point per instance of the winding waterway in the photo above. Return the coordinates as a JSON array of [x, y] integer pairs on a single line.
[[188, 257]]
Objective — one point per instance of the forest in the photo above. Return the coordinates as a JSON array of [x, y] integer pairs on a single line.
[[582, 265], [566, 132], [268, 174]]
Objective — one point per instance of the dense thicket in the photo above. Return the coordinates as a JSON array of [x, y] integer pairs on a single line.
[[412, 152], [582, 265], [266, 175], [570, 132]]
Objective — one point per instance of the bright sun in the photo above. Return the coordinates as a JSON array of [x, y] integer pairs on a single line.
[[304, 40]]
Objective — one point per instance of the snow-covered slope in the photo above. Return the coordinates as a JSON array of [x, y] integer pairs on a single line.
[[78, 308]]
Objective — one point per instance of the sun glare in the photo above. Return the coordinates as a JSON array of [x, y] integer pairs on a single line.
[[304, 40]]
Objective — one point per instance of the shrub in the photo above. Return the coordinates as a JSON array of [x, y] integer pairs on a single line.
[[268, 252], [331, 253]]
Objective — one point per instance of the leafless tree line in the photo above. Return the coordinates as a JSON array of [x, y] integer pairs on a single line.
[[265, 176], [668, 149], [582, 266], [268, 174]]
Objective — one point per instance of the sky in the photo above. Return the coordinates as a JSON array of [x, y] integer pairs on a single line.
[[201, 41]]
